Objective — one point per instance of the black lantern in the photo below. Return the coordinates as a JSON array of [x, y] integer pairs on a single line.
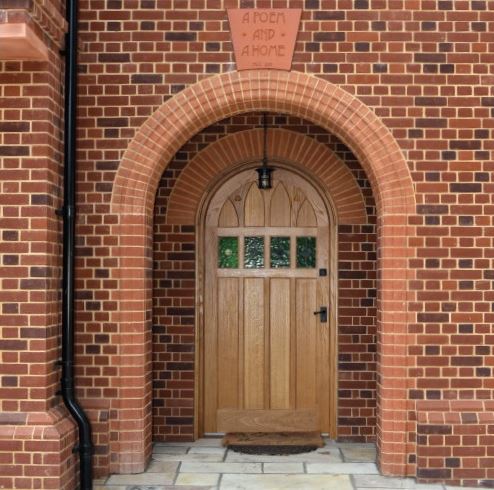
[[264, 171]]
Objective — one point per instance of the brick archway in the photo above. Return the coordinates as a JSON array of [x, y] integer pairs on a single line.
[[171, 126], [283, 145]]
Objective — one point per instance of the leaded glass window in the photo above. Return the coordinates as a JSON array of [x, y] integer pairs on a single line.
[[280, 251], [306, 251], [254, 252], [228, 252]]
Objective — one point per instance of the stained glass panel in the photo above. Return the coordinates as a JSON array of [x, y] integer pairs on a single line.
[[280, 251], [228, 252], [306, 251], [254, 252]]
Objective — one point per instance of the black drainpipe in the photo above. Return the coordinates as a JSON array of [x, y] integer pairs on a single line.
[[84, 447]]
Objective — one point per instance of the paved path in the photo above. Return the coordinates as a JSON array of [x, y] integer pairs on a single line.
[[204, 464]]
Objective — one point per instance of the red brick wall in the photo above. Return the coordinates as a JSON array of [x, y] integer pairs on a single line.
[[32, 429], [173, 330], [357, 333], [455, 442], [174, 292], [30, 195], [424, 67]]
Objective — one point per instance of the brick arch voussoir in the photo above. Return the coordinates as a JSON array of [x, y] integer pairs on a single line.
[[283, 145], [222, 96]]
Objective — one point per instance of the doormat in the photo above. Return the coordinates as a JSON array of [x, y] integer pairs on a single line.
[[275, 444]]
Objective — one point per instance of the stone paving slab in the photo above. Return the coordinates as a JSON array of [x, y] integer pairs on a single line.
[[150, 487], [187, 467], [430, 486], [203, 441], [327, 449], [162, 467], [351, 444], [204, 479], [417, 487], [376, 482], [448, 487], [207, 450], [328, 456], [343, 468], [106, 487], [170, 449], [282, 482], [166, 487], [283, 468], [142, 479], [212, 458], [359, 453]]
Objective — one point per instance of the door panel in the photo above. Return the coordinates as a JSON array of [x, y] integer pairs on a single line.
[[264, 349], [254, 207], [280, 207], [279, 342], [306, 338], [228, 333], [228, 216], [254, 331], [210, 349]]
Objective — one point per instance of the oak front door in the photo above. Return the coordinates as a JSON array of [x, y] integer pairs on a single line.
[[266, 299]]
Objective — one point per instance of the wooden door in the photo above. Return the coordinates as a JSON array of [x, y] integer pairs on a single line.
[[266, 273]]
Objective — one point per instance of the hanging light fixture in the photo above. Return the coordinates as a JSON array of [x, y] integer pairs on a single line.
[[264, 171]]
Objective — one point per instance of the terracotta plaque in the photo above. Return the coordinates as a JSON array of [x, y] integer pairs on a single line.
[[264, 38]]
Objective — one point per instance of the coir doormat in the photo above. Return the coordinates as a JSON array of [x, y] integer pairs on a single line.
[[278, 443]]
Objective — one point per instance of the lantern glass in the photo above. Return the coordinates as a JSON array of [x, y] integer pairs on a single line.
[[264, 177]]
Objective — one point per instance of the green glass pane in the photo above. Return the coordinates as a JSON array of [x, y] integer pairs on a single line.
[[228, 252], [306, 251], [280, 251], [254, 252]]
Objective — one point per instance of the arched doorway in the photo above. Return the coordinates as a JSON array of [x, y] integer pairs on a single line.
[[132, 206], [189, 179], [269, 263]]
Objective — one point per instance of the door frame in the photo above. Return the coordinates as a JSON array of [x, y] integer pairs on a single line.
[[200, 286]]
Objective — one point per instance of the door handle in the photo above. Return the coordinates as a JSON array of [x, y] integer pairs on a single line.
[[323, 314]]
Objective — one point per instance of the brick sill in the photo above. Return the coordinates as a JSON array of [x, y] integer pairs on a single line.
[[19, 42]]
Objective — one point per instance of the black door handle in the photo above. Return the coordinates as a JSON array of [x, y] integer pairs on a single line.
[[323, 314]]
